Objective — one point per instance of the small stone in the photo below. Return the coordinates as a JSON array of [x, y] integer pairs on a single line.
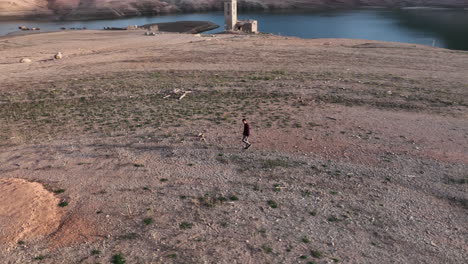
[[25, 60], [58, 56], [389, 92]]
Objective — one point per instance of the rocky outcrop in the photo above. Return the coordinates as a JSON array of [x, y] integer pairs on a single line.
[[16, 8], [88, 9], [192, 27]]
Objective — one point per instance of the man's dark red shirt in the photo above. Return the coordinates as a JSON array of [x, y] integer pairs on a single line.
[[246, 130]]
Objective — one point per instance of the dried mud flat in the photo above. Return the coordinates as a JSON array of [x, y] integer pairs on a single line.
[[359, 154]]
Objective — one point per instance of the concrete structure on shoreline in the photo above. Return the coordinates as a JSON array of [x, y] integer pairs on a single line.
[[231, 24]]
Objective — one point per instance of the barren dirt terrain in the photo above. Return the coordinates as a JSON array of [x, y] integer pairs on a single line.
[[359, 152]]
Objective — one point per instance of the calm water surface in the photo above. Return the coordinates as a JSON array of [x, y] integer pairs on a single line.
[[446, 28]]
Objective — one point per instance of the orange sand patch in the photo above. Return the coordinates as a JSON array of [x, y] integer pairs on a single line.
[[27, 210]]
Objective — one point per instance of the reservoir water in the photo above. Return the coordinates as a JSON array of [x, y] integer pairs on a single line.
[[447, 28]]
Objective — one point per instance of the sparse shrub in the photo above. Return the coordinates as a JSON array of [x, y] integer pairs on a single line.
[[276, 187], [333, 219], [458, 181], [316, 254], [185, 225], [267, 249], [118, 259], [272, 204], [128, 236], [271, 164]]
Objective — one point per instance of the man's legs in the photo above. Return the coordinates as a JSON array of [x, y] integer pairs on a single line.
[[245, 139]]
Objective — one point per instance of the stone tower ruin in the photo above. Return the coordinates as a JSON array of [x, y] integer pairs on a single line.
[[231, 24], [230, 15]]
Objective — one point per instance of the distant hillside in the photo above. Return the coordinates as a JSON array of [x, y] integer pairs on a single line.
[[24, 7], [82, 9]]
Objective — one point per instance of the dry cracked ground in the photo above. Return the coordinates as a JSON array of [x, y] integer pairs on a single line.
[[359, 150]]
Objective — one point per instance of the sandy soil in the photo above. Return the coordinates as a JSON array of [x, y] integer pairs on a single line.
[[359, 152], [27, 210]]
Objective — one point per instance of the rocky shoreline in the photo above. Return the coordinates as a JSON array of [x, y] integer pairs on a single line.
[[187, 27]]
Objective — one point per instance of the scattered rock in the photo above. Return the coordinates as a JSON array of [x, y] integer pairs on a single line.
[[191, 27], [25, 60], [133, 27], [113, 28], [202, 137], [58, 56], [184, 94], [26, 28]]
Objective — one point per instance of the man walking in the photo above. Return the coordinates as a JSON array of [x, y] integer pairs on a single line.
[[246, 134]]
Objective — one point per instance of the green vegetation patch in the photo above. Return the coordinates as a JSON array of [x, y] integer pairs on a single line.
[[185, 225], [118, 259]]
